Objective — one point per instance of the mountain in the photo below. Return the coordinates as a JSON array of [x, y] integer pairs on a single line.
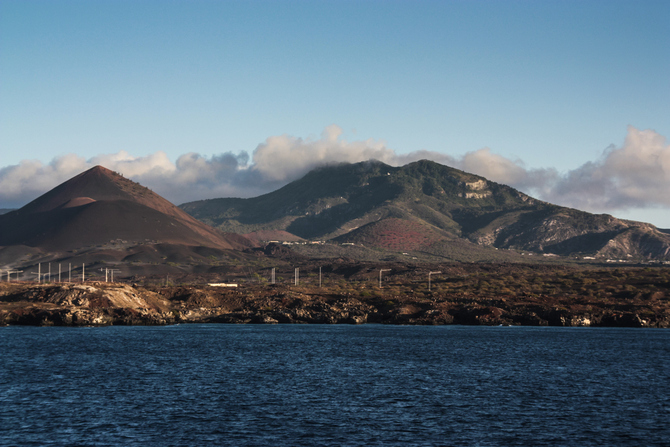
[[98, 207], [429, 207]]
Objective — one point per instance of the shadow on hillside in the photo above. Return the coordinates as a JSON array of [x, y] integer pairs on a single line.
[[329, 220], [586, 243]]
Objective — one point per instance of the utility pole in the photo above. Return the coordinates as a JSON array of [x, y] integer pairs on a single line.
[[319, 277], [9, 272], [297, 276], [380, 276], [49, 277], [59, 272], [111, 272], [431, 273], [39, 272], [83, 273]]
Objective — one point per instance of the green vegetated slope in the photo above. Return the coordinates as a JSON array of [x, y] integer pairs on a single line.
[[425, 206]]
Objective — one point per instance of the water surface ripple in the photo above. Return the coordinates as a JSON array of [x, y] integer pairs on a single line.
[[334, 385]]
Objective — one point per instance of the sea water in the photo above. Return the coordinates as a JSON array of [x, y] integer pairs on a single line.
[[256, 385]]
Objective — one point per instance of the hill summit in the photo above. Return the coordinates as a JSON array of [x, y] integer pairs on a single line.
[[425, 206], [99, 206]]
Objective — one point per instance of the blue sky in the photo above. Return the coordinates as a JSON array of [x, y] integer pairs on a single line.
[[536, 94]]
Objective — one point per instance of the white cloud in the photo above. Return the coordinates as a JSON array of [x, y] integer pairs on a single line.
[[493, 166], [635, 175], [156, 164], [23, 182], [284, 158], [29, 179]]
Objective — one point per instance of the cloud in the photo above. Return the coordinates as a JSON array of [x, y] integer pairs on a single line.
[[285, 157], [634, 175], [30, 178]]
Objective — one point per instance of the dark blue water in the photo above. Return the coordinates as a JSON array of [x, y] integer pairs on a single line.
[[334, 385]]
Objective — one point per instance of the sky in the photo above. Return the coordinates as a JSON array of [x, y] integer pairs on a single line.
[[568, 101]]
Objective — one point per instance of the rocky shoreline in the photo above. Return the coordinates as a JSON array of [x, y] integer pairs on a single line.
[[103, 304]]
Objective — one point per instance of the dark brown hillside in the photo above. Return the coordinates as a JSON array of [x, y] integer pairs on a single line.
[[99, 206], [99, 183], [101, 222], [394, 234]]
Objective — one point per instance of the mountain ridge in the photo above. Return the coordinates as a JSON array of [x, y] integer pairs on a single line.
[[335, 201]]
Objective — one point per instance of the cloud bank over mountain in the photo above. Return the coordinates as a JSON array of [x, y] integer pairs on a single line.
[[633, 175]]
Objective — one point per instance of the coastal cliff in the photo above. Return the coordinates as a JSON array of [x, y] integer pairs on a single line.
[[614, 297]]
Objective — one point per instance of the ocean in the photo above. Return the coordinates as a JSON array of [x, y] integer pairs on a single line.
[[334, 385]]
